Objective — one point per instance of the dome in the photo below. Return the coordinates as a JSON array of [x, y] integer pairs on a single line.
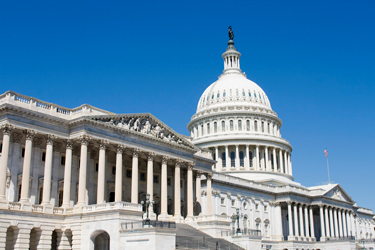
[[231, 89]]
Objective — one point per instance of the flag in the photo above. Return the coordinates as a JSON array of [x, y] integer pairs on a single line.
[[326, 153]]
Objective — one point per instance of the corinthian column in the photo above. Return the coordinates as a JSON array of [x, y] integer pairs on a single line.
[[177, 191], [6, 129], [48, 170], [198, 193], [83, 170], [164, 188], [322, 229], [101, 172], [301, 221], [26, 166], [67, 173], [118, 181], [209, 193], [290, 221], [256, 163], [150, 177], [295, 220], [274, 160], [190, 201], [134, 196], [266, 160]]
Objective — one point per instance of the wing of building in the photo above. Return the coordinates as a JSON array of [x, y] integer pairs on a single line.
[[86, 178]]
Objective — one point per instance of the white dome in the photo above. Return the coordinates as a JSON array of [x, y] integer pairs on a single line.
[[233, 88]]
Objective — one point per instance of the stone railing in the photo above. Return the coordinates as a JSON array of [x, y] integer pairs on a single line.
[[48, 108], [14, 206], [111, 206], [214, 217], [348, 238], [147, 224]]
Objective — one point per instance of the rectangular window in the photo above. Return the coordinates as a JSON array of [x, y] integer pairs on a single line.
[[61, 195], [222, 201], [256, 126], [269, 128], [263, 127], [181, 184], [239, 125], [23, 152], [113, 170], [248, 125], [223, 126], [43, 156], [265, 208], [96, 167], [169, 181], [256, 207], [1, 147], [156, 178], [128, 173], [202, 129], [215, 127], [40, 195], [233, 203], [231, 125], [208, 128], [142, 176], [62, 160]]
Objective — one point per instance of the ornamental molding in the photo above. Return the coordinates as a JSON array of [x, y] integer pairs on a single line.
[[37, 142], [29, 133], [7, 128], [69, 144], [17, 137]]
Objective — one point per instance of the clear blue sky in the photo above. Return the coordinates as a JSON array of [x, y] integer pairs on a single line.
[[314, 59]]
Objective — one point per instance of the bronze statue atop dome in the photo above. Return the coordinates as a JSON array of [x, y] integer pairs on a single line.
[[230, 33]]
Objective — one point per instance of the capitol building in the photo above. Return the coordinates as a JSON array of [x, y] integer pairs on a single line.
[[89, 179]]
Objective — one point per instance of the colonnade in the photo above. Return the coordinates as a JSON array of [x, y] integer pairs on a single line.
[[336, 222], [101, 181], [252, 157], [302, 217]]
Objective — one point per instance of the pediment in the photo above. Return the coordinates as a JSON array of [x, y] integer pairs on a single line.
[[146, 125], [338, 193]]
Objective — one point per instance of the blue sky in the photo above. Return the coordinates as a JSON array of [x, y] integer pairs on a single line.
[[314, 59]]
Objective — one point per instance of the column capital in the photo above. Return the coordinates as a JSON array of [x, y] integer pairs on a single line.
[[178, 162], [164, 159], [198, 174], [69, 144], [120, 149], [136, 152], [50, 139], [277, 203], [208, 175], [289, 202], [190, 165], [151, 156], [103, 144], [7, 128], [84, 139], [29, 133], [321, 205]]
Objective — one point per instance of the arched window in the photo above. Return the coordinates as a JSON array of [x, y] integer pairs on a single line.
[[249, 93], [255, 94], [223, 161], [208, 128], [236, 92], [263, 127], [215, 127], [223, 126], [224, 93], [213, 95], [218, 94], [240, 125], [248, 125], [243, 93], [269, 128], [272, 163], [202, 129], [256, 126], [231, 125], [250, 159], [232, 160], [241, 159]]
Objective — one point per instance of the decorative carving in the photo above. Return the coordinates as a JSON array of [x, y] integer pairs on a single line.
[[145, 126], [191, 165], [178, 162], [337, 194], [29, 134], [277, 203], [103, 144], [198, 174], [321, 205], [50, 139], [57, 146], [136, 152], [7, 128], [37, 142], [17, 137], [208, 176], [164, 160], [93, 154], [75, 151], [151, 156], [69, 144], [120, 149], [228, 195], [84, 139]]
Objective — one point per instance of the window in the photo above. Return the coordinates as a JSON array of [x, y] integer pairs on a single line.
[[1, 147], [40, 195], [244, 205], [142, 176], [43, 155], [223, 126], [181, 184], [256, 207], [243, 93], [111, 197], [156, 178], [19, 192], [128, 173], [169, 181], [208, 128], [23, 152], [96, 167], [61, 195], [239, 125], [265, 208], [241, 159], [218, 94], [250, 159], [269, 128], [215, 127], [232, 159], [202, 129], [260, 96], [62, 160], [236, 92], [231, 125], [266, 229], [113, 170], [248, 125], [256, 126], [222, 201], [249, 93], [224, 93], [233, 203], [223, 161], [255, 94], [263, 127], [212, 97]]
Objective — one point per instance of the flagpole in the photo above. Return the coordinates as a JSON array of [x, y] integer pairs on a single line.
[[329, 181]]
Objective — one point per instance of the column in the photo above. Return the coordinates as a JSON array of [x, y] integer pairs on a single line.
[[227, 158], [352, 224], [177, 190], [282, 170], [83, 170], [301, 221], [344, 223], [286, 163], [48, 170], [237, 160], [306, 222], [150, 177], [101, 172], [45, 237], [296, 220], [290, 220], [67, 173], [247, 159], [198, 193], [339, 215], [279, 225], [331, 225], [290, 164], [190, 190], [274, 160], [164, 186], [322, 229], [134, 192], [26, 166], [118, 178], [6, 129], [349, 223], [256, 157], [209, 193], [328, 234], [335, 221], [266, 162], [218, 164]]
